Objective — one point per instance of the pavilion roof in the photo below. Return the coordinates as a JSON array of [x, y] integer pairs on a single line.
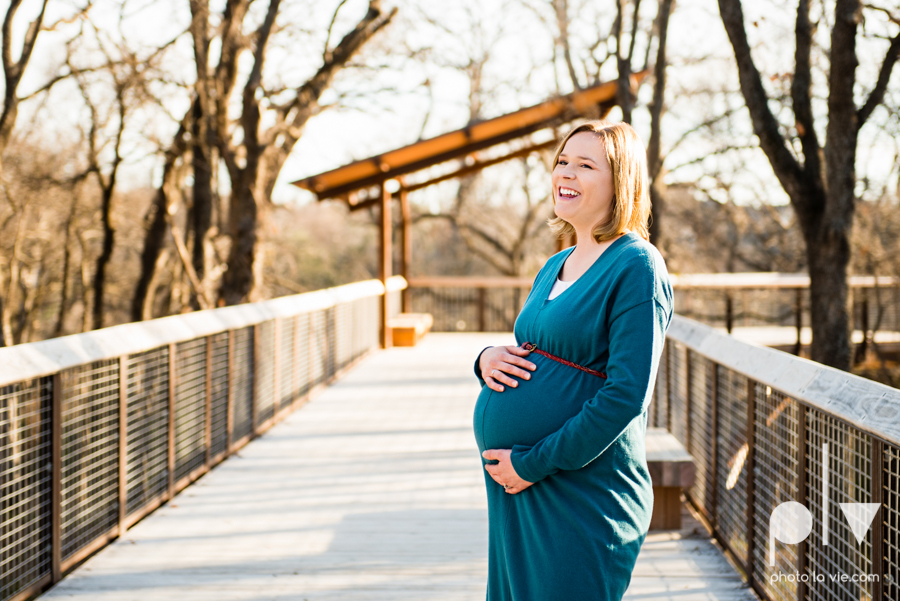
[[343, 182]]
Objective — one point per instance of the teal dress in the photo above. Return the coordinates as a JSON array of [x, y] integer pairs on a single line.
[[576, 533]]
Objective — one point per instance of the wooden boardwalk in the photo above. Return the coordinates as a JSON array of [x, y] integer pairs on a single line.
[[373, 491]]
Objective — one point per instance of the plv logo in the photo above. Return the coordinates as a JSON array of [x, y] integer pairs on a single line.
[[791, 522]]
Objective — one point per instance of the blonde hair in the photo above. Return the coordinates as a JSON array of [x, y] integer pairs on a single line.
[[631, 183]]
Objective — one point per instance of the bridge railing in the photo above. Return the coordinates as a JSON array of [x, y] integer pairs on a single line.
[[728, 300], [757, 422], [99, 429]]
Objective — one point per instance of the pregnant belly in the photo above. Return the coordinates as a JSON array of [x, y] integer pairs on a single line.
[[536, 408]]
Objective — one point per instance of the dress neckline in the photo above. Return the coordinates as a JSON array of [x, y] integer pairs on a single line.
[[574, 282]]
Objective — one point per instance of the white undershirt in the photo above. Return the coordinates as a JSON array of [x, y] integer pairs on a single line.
[[559, 287]]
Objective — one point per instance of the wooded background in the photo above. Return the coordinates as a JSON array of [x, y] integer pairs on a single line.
[[145, 147]]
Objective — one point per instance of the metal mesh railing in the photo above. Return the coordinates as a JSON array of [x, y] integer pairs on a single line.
[[90, 454], [147, 431], [774, 419], [97, 430], [25, 499], [724, 300]]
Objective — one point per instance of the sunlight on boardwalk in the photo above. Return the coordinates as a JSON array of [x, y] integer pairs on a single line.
[[373, 491]]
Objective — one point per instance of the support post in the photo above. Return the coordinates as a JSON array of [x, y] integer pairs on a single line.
[[385, 262], [406, 248], [798, 320]]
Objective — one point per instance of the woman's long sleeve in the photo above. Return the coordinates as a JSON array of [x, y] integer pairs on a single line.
[[636, 339]]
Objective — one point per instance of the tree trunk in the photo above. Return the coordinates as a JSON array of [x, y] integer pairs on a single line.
[[244, 222], [657, 108], [154, 243], [155, 238], [103, 260], [67, 259], [828, 255], [201, 146]]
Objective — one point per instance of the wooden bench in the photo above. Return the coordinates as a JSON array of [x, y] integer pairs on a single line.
[[407, 329], [671, 471]]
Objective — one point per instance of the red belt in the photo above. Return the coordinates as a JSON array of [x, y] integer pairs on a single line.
[[532, 347]]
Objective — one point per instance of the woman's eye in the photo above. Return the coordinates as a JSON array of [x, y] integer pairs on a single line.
[[586, 165], [560, 162]]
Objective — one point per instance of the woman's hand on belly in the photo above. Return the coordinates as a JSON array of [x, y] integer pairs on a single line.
[[503, 472], [498, 361]]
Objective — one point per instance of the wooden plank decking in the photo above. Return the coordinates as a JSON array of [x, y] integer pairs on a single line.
[[371, 492]]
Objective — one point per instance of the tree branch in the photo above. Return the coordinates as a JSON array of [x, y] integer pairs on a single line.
[[765, 125], [884, 76], [800, 94]]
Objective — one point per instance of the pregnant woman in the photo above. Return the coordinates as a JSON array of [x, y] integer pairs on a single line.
[[561, 418]]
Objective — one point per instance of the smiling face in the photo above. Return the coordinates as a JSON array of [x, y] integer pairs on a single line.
[[583, 187]]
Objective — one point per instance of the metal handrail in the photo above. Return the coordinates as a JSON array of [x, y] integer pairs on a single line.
[[99, 429], [764, 428]]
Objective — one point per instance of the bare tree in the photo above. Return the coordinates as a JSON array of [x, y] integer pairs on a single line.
[[821, 184], [655, 156], [14, 69], [252, 155]]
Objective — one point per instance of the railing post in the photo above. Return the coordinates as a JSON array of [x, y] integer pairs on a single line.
[[209, 369], [56, 424], [229, 412], [171, 450], [688, 443], [713, 509], [751, 480], [310, 352], [295, 376], [802, 486], [729, 312], [123, 442], [878, 531], [276, 370], [254, 398], [798, 320], [669, 386], [482, 309]]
